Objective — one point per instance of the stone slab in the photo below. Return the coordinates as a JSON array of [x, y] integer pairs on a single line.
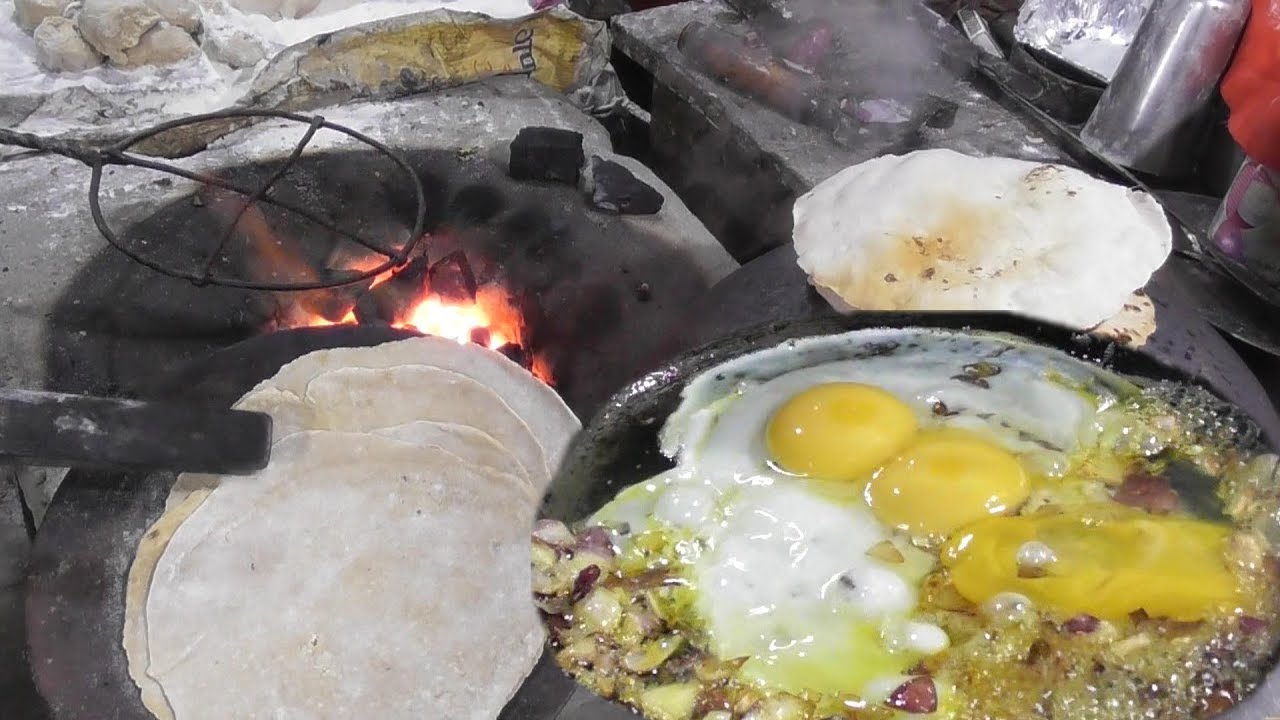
[[806, 155]]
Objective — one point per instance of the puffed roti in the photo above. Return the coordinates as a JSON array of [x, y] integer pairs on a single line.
[[938, 230]]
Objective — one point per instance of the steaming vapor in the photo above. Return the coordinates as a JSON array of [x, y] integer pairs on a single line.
[[881, 44]]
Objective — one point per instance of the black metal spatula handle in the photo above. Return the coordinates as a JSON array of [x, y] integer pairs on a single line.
[[59, 430]]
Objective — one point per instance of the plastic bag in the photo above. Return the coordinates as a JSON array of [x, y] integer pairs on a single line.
[[417, 53], [1252, 86]]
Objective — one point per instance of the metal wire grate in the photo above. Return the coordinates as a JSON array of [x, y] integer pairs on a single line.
[[202, 268]]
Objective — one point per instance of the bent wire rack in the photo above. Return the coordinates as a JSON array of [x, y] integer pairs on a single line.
[[201, 270]]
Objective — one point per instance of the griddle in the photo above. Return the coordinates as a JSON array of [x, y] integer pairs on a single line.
[[619, 444], [81, 556], [762, 306]]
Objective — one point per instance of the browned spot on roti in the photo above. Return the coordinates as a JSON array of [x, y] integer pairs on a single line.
[[945, 251], [1134, 324]]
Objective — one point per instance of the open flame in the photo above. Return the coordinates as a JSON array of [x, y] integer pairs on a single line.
[[490, 317], [406, 297]]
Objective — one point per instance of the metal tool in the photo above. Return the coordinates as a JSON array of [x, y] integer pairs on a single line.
[[204, 263], [60, 430], [978, 31], [1153, 112]]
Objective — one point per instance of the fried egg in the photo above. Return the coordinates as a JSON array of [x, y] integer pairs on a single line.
[[1104, 562], [810, 476]]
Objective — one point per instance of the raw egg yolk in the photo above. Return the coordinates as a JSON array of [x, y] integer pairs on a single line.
[[945, 480], [1108, 568], [838, 431]]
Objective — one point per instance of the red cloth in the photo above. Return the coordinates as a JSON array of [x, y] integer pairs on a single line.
[[1252, 85]]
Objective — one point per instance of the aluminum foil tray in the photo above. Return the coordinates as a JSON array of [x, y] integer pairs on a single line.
[[1089, 35]]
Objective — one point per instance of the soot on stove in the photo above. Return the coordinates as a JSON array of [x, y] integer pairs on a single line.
[[583, 298]]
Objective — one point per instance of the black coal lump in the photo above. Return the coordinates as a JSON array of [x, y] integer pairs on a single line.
[[543, 153], [616, 189]]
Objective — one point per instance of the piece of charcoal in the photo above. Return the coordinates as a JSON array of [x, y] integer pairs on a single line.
[[940, 113], [385, 302], [616, 189], [516, 354], [542, 153], [370, 311], [452, 278]]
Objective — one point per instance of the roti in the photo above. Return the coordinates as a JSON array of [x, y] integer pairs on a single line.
[[364, 399], [372, 399], [357, 576], [542, 410], [464, 441], [938, 230], [1133, 325], [291, 414]]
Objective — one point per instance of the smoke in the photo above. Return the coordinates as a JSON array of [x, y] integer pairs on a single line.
[[883, 48], [875, 51]]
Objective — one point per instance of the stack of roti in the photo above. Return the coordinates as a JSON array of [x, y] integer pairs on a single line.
[[939, 230], [378, 567]]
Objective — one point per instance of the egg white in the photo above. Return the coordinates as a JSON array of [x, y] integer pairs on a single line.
[[783, 572], [1032, 405]]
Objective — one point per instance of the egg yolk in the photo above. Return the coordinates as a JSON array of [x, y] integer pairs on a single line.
[[838, 431], [1168, 567], [945, 480]]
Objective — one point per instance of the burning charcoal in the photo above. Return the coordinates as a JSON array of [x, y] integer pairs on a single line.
[[368, 310], [542, 153], [480, 336], [617, 189], [516, 354], [328, 304], [413, 278], [452, 279], [385, 302]]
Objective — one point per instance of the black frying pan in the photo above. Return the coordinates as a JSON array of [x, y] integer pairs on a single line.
[[619, 446], [80, 561]]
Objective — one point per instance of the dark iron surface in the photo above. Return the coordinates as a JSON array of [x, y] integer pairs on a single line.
[[80, 561], [768, 301], [619, 446]]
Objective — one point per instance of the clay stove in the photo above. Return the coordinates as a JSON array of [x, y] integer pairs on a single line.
[[582, 299]]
